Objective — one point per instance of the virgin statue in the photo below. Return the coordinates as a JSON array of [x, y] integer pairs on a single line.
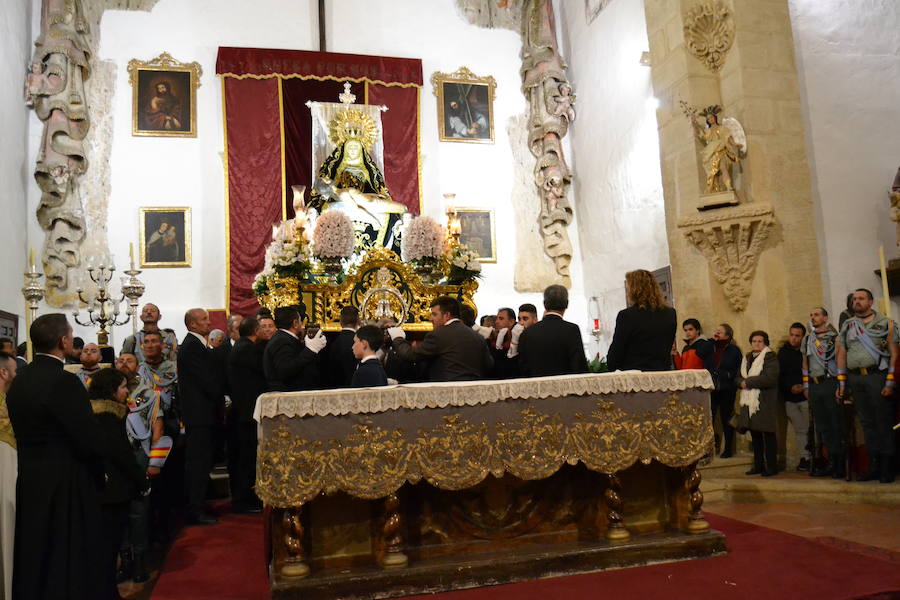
[[350, 181]]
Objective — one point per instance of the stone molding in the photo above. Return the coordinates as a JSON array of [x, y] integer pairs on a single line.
[[709, 33], [731, 239]]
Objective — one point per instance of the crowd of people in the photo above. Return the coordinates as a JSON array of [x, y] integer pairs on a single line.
[[107, 456]]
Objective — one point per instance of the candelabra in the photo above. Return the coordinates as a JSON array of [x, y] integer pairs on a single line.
[[103, 309], [34, 293]]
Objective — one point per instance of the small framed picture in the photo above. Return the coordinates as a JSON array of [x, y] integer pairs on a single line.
[[465, 106], [165, 236], [164, 97], [476, 227]]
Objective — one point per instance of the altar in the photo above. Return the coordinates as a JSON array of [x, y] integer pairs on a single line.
[[386, 492]]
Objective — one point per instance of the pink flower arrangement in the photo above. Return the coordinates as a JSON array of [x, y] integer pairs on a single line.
[[333, 236], [422, 239]]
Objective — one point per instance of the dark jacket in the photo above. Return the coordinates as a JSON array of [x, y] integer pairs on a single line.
[[289, 365], [723, 366], [369, 373], [341, 362], [60, 471], [790, 372], [767, 382], [246, 378], [551, 346], [454, 353], [125, 479], [691, 356], [643, 340], [199, 388]]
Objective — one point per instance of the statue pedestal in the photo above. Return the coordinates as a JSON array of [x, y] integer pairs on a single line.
[[717, 200]]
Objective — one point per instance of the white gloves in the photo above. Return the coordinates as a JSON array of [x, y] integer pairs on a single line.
[[316, 343], [501, 335], [514, 340], [484, 332], [396, 332]]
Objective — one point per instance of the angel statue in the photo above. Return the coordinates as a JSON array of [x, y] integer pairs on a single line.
[[724, 146], [349, 180]]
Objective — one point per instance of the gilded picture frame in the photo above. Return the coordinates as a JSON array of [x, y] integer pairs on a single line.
[[165, 236], [477, 231], [164, 97], [465, 104]]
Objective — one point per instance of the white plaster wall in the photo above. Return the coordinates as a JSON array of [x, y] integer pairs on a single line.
[[189, 171], [15, 52], [615, 153], [848, 59]]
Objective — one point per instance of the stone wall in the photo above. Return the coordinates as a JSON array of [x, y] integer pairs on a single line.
[[615, 152], [756, 265], [848, 60], [15, 52]]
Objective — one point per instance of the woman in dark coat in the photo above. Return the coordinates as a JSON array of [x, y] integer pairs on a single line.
[[758, 382], [722, 358], [125, 479], [645, 330]]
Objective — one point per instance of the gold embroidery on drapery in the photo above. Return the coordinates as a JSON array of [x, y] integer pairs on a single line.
[[372, 462]]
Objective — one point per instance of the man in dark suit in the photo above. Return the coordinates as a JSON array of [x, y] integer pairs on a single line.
[[247, 382], [366, 342], [200, 391], [341, 361], [60, 471], [552, 346], [290, 361], [454, 352]]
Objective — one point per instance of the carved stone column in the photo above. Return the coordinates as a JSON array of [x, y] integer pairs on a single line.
[[696, 522], [755, 265], [615, 530], [292, 526]]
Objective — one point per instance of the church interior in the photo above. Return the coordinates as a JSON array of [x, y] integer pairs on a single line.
[[239, 158]]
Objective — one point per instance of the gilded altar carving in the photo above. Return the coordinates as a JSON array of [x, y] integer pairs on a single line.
[[709, 33], [380, 284], [731, 240], [373, 461]]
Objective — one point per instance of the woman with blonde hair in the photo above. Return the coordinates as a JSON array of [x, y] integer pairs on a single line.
[[645, 330]]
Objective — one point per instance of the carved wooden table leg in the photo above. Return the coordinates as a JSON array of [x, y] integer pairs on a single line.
[[616, 530], [696, 522], [295, 563], [392, 534]]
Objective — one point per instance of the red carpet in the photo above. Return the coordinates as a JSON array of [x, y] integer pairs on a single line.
[[225, 562]]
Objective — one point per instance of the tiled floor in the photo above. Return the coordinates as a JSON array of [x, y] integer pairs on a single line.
[[860, 523]]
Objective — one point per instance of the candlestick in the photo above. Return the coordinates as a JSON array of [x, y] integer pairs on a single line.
[[884, 282]]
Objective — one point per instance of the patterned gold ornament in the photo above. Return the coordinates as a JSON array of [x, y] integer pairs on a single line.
[[352, 124]]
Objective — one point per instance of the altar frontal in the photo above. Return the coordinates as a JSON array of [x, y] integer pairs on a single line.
[[385, 492]]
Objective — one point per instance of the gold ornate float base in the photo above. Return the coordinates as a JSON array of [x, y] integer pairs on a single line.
[[381, 286]]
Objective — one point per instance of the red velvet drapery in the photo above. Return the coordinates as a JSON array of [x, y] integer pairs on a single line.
[[268, 138]]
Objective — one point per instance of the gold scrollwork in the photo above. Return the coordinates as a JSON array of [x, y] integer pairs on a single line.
[[372, 461]]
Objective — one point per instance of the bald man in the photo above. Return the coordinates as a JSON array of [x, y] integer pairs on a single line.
[[150, 317], [199, 390], [90, 363]]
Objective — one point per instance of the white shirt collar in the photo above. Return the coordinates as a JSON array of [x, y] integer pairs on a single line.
[[199, 337], [450, 321], [62, 360], [348, 329], [290, 333], [368, 358]]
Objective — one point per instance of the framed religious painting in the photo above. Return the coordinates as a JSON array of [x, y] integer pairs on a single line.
[[165, 236], [476, 231], [164, 97], [465, 104]]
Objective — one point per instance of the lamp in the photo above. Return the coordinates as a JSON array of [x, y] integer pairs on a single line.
[[103, 309]]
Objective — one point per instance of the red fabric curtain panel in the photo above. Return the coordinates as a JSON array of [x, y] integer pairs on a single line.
[[253, 137], [401, 142]]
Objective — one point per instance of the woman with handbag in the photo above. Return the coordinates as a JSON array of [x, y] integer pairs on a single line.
[[722, 358], [758, 383]]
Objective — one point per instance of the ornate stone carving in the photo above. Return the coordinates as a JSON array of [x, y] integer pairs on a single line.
[[895, 203], [550, 100], [709, 33], [731, 239], [54, 86]]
